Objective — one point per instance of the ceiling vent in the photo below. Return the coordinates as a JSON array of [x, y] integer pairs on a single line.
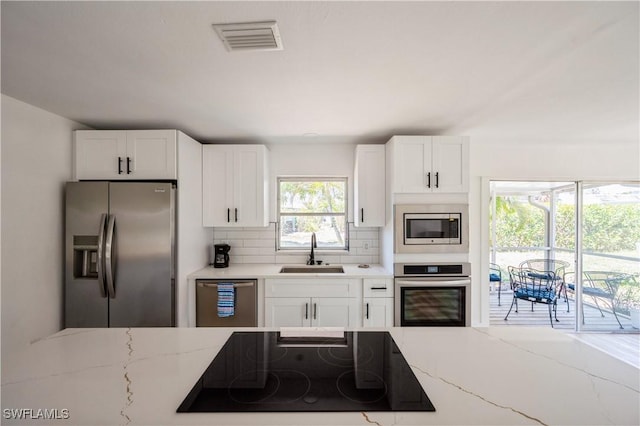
[[250, 36]]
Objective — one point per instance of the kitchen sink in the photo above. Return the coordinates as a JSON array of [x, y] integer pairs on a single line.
[[312, 269]]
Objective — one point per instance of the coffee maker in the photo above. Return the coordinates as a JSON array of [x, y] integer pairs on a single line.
[[221, 255]]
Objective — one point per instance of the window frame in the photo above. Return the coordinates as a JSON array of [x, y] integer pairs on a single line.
[[280, 214]]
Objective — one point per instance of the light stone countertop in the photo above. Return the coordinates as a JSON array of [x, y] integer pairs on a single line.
[[491, 376], [253, 270]]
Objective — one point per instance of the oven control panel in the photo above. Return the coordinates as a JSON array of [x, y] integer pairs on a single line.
[[449, 269]]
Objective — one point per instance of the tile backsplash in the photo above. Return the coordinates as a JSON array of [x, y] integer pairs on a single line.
[[258, 245]]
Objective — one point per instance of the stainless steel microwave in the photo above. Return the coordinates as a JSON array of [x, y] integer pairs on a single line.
[[431, 228]]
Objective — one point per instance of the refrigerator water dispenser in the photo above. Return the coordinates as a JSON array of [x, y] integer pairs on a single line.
[[85, 256]]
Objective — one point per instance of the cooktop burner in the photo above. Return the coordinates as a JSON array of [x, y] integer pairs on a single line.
[[262, 371]]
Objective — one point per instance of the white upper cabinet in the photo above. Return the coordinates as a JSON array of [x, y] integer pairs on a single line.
[[125, 154], [369, 186], [423, 164], [235, 185]]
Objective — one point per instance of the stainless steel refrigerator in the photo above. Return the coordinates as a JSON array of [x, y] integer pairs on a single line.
[[120, 254]]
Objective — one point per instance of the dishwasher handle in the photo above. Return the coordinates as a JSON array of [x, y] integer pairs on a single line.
[[235, 284]]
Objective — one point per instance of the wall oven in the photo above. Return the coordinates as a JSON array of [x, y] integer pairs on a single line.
[[429, 228], [434, 294]]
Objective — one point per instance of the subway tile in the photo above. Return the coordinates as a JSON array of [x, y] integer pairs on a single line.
[[260, 243], [291, 258], [219, 235], [355, 243], [251, 251], [259, 259], [361, 251], [267, 235], [245, 235], [232, 243], [356, 259], [368, 235], [329, 259]]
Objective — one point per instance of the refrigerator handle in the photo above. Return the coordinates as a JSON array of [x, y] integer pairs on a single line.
[[100, 260], [108, 257]]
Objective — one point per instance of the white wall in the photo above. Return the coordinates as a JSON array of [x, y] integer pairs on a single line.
[[36, 161], [551, 160]]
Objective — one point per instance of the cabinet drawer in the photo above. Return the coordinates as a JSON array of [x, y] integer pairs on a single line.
[[377, 287], [310, 287]]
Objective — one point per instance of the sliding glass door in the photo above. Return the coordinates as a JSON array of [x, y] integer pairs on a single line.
[[610, 255], [592, 228]]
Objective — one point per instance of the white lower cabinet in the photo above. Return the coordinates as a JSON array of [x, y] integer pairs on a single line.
[[310, 312], [377, 303], [377, 312], [310, 302]]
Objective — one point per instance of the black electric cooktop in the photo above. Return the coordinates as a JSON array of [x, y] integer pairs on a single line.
[[264, 372]]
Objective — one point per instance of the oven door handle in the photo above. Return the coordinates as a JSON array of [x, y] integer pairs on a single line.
[[414, 283]]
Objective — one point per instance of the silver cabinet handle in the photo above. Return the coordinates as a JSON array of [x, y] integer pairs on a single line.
[[377, 288], [429, 180], [100, 259], [367, 314], [315, 311], [306, 311], [108, 257]]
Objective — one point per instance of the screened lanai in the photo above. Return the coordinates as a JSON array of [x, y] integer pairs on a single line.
[[581, 238]]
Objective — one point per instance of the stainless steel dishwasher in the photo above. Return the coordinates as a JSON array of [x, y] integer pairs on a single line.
[[245, 304]]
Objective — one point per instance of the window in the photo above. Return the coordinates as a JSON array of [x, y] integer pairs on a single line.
[[308, 205]]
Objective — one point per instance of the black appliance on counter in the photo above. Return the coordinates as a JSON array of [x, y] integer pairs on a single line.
[[221, 255], [264, 372]]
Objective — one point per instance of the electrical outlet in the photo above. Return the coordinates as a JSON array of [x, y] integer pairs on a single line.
[[366, 246]]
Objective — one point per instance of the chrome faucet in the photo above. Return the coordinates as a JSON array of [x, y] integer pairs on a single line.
[[314, 244]]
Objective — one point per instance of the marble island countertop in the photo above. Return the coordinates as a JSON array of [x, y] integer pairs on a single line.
[[499, 375]]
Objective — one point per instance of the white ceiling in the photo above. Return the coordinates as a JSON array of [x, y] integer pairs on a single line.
[[349, 71]]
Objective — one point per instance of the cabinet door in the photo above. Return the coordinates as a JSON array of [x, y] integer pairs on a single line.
[[287, 311], [151, 154], [377, 312], [217, 185], [250, 186], [413, 164], [450, 164], [333, 312], [369, 186], [99, 153]]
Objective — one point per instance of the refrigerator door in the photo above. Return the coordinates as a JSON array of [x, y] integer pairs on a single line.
[[141, 255], [86, 207]]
